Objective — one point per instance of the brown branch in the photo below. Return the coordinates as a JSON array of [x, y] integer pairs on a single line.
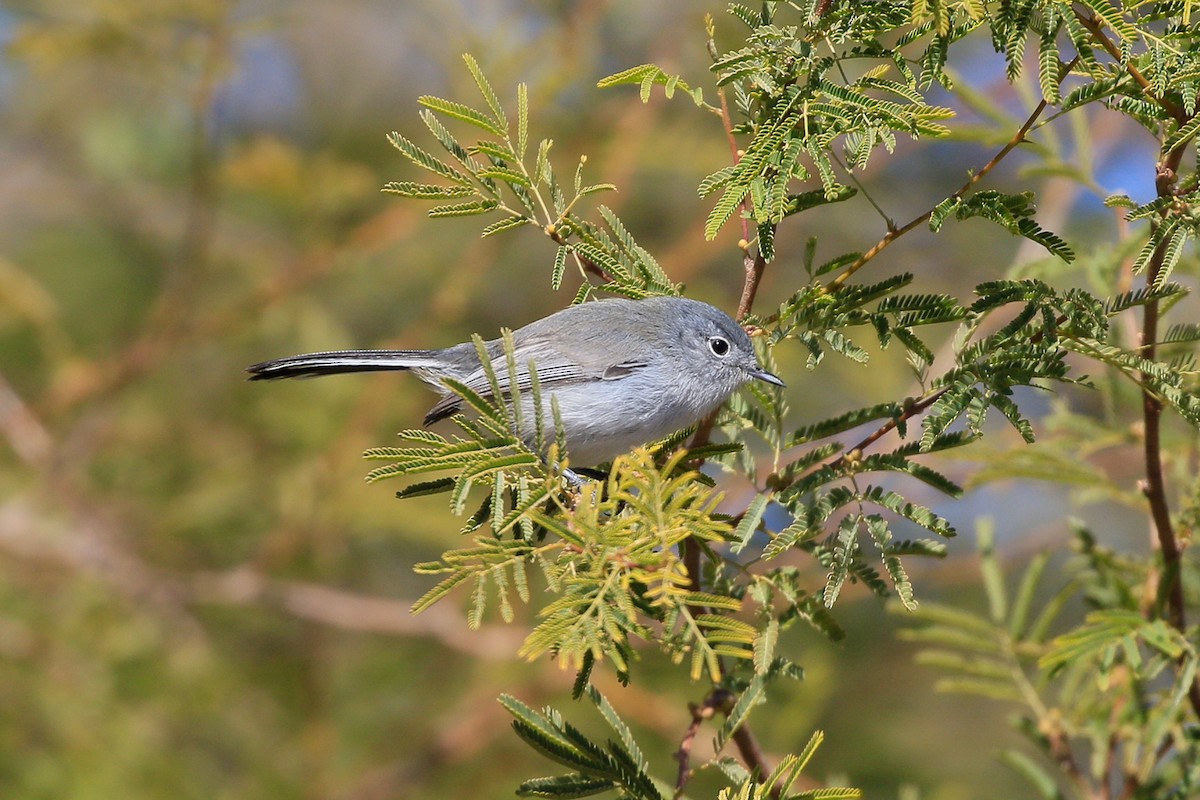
[[721, 700], [691, 562], [895, 233], [754, 264], [350, 611], [1060, 750], [1155, 487], [718, 700], [1094, 27], [911, 409], [752, 259], [753, 755]]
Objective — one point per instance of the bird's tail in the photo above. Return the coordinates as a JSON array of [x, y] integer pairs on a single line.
[[339, 361]]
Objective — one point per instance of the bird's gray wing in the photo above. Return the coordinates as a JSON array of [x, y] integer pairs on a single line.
[[555, 369]]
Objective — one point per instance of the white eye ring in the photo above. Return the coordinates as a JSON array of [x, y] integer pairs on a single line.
[[719, 345]]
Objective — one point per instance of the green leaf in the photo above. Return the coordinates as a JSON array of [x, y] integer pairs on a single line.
[[749, 522], [425, 160], [1101, 629], [461, 112], [1184, 133], [764, 646], [505, 174], [426, 488], [522, 120], [709, 600], [565, 786], [507, 224], [1042, 781], [1049, 65], [829, 793], [843, 422], [489, 95], [424, 191], [618, 725], [754, 694], [1025, 594], [439, 591], [470, 209]]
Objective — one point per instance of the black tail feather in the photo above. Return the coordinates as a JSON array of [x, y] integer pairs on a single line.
[[337, 362]]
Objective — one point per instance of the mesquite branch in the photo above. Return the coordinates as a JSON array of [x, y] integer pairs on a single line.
[[1154, 487], [895, 233]]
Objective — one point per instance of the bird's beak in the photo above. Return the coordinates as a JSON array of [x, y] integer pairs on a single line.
[[763, 375]]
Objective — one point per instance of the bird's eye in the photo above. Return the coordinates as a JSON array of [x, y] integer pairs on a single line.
[[719, 345]]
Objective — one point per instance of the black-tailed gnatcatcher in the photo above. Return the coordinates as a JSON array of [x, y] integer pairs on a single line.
[[625, 372]]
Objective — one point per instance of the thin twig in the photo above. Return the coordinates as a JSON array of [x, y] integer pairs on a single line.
[[1094, 27], [717, 700], [911, 409], [894, 234], [754, 264]]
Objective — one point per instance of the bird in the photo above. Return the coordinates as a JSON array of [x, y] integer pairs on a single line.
[[624, 372]]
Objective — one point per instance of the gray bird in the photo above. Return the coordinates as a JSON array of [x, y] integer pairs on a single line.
[[625, 372]]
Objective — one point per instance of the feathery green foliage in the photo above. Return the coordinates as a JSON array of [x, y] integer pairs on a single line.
[[1071, 688], [496, 176], [811, 94]]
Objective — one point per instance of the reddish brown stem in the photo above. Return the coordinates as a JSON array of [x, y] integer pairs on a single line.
[[1094, 27], [895, 233], [753, 755], [754, 264], [717, 700], [1155, 487]]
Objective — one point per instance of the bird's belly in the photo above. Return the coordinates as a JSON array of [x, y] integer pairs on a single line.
[[602, 420]]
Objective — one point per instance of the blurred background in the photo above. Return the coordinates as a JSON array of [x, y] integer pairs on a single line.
[[199, 595]]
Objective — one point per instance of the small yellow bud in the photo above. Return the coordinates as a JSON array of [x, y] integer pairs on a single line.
[[743, 244]]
